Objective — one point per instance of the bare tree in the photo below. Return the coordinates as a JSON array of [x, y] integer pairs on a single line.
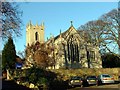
[[10, 20], [94, 32], [104, 32], [113, 29]]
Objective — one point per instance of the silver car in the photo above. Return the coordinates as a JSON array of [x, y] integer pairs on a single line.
[[105, 78]]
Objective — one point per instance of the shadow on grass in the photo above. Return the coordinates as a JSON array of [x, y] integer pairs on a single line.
[[12, 85], [58, 85]]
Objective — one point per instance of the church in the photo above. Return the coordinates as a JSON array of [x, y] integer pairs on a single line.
[[70, 48]]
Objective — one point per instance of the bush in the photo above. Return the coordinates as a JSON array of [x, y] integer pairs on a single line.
[[40, 77], [45, 79]]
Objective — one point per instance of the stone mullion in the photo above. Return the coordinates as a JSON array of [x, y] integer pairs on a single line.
[[71, 54], [68, 49], [77, 53]]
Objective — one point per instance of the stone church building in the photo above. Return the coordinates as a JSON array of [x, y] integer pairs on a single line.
[[70, 48]]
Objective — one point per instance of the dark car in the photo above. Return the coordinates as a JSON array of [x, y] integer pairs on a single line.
[[76, 81], [92, 80]]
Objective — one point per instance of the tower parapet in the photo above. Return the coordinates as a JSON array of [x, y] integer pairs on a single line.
[[34, 33]]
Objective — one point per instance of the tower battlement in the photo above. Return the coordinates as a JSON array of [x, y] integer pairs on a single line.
[[34, 33]]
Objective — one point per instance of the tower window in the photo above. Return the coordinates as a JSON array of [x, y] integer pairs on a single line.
[[36, 36]]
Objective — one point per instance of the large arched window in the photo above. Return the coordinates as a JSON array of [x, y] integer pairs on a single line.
[[73, 49], [36, 36]]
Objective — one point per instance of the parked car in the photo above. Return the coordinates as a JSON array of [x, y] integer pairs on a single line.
[[92, 80], [105, 78], [76, 81]]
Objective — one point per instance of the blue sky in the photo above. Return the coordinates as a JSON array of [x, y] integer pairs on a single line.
[[58, 15]]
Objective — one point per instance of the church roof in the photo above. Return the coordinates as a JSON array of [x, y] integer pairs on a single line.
[[64, 33]]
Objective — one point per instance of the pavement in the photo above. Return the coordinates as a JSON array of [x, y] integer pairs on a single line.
[[115, 86]]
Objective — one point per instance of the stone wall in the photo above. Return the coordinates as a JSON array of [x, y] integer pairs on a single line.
[[115, 72]]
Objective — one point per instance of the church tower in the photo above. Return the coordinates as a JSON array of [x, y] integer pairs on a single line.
[[34, 33]]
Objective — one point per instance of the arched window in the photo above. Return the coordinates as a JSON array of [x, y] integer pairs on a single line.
[[36, 36]]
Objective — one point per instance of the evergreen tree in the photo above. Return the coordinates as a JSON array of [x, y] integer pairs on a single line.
[[9, 55], [110, 60]]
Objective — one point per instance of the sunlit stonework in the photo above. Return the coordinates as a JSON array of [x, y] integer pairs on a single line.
[[70, 49], [34, 33]]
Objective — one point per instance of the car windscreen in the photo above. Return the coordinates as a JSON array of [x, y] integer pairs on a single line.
[[106, 76], [91, 77], [76, 78]]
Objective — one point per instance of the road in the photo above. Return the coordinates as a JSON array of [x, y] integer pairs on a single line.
[[101, 87], [107, 86]]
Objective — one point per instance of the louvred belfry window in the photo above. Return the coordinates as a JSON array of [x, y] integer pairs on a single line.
[[36, 36]]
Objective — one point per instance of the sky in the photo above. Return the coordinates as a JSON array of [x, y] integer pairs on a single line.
[[57, 15]]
